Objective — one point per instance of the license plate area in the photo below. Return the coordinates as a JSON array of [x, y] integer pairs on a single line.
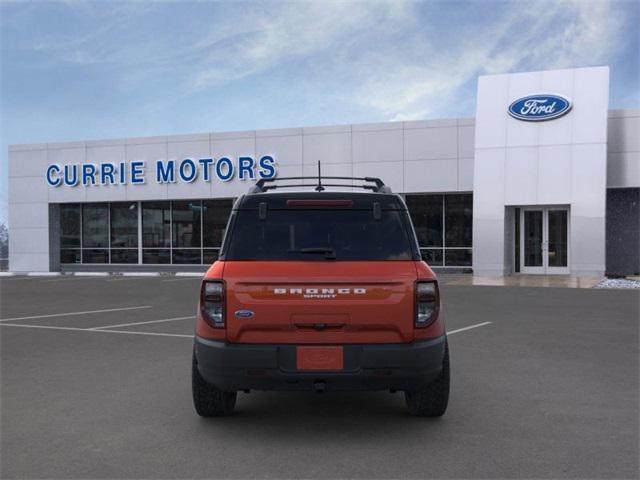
[[319, 358]]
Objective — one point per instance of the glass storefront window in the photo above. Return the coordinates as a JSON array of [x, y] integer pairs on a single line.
[[444, 226], [94, 255], [433, 256], [458, 220], [185, 224], [457, 257], [156, 224], [426, 215], [70, 226], [70, 256], [215, 214], [95, 225], [210, 255], [172, 232], [127, 255], [190, 232], [124, 225], [156, 255], [186, 256]]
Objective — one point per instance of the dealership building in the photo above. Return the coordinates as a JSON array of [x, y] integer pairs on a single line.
[[544, 180]]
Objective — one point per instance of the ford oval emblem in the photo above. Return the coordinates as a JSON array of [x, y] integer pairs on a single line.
[[536, 108], [244, 313]]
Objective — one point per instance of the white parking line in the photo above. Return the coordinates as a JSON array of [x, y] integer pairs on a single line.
[[69, 278], [468, 328], [74, 329], [122, 278], [143, 323], [91, 274], [18, 278], [180, 279], [159, 334], [74, 313]]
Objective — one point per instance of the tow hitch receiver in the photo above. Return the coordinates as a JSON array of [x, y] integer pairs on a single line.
[[320, 386]]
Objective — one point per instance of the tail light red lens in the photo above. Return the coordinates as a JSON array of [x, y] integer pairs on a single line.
[[212, 299], [427, 303]]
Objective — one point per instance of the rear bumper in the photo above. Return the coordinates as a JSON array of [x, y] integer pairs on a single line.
[[405, 366]]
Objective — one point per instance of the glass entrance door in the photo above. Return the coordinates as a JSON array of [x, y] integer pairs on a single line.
[[544, 241], [533, 242], [557, 243]]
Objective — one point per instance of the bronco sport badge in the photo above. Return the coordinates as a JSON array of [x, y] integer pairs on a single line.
[[320, 292]]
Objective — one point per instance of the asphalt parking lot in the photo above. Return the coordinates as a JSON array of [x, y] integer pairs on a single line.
[[96, 384]]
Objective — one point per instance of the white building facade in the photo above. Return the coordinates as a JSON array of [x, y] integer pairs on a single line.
[[544, 180]]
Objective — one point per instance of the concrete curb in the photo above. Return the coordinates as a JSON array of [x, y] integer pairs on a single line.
[[103, 274]]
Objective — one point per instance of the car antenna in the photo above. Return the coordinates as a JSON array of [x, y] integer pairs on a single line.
[[319, 188]]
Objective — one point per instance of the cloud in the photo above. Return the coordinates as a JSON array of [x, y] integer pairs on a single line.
[[295, 30], [216, 43], [535, 37], [156, 63], [393, 58]]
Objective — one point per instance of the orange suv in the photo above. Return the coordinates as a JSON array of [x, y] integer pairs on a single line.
[[320, 290]]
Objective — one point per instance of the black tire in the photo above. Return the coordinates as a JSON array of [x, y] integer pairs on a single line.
[[433, 399], [208, 400]]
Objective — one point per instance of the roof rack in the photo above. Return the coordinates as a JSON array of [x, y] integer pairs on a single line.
[[372, 183]]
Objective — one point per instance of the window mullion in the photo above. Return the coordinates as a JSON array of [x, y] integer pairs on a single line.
[[443, 232], [139, 233], [81, 233], [109, 232]]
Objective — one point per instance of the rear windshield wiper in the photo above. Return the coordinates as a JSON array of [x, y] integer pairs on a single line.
[[329, 253]]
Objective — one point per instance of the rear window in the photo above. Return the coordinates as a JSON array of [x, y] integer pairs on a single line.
[[319, 235]]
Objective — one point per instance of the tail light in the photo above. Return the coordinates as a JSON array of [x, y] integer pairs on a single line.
[[212, 303], [427, 303]]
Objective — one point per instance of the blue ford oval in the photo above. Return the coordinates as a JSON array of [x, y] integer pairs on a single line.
[[535, 108], [244, 313]]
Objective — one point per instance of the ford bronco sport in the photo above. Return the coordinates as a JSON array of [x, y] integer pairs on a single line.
[[320, 290]]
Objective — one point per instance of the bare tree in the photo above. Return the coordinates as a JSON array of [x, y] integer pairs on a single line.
[[4, 241]]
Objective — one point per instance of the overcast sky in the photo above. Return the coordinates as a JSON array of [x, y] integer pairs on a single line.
[[84, 70]]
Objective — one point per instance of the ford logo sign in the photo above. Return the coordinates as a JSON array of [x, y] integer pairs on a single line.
[[244, 313], [535, 108]]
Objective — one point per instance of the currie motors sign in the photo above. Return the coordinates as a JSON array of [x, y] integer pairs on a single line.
[[137, 172], [536, 108]]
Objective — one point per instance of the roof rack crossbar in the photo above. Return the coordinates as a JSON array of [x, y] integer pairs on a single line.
[[266, 188], [378, 187]]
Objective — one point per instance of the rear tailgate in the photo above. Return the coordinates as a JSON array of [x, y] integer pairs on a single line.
[[319, 302]]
